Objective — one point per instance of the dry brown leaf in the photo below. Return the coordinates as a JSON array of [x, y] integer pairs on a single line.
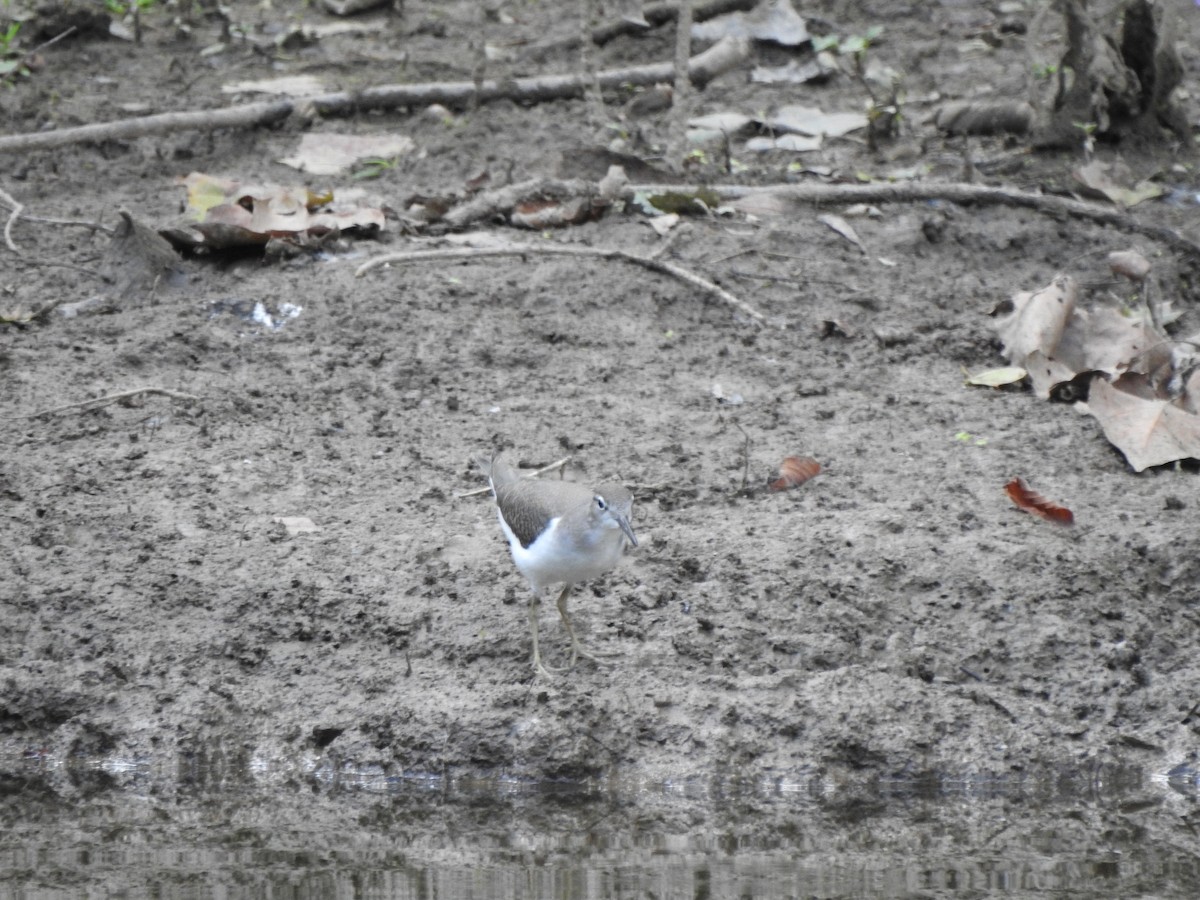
[[223, 213], [541, 213], [1148, 430], [1032, 502], [794, 471], [1055, 341], [1109, 180], [1038, 320]]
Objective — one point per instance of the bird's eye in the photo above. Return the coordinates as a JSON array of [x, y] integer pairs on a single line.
[[600, 504]]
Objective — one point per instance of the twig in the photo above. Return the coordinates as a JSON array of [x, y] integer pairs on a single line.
[[953, 192], [72, 223], [100, 402], [534, 474], [53, 263], [657, 265], [16, 212], [720, 57], [54, 40]]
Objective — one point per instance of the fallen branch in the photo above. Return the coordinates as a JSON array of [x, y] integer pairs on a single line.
[[953, 192], [657, 265], [720, 57], [703, 68], [109, 399], [126, 129]]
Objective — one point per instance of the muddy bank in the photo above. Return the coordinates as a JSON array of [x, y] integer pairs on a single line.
[[895, 618]]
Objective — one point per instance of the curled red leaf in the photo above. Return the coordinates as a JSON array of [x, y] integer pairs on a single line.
[[1032, 502], [794, 471]]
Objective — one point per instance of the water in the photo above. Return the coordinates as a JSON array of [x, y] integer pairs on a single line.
[[192, 830]]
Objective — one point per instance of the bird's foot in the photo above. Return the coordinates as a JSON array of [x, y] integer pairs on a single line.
[[601, 659]]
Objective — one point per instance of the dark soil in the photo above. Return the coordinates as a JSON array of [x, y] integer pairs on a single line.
[[897, 617]]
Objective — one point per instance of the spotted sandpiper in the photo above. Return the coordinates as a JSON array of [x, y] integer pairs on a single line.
[[559, 532]]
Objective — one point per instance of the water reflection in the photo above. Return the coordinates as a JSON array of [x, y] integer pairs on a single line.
[[235, 828]]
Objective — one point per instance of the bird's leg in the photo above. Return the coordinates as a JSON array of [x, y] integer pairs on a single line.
[[562, 611], [576, 650], [534, 603]]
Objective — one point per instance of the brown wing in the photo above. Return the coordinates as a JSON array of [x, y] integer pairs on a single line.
[[529, 505]]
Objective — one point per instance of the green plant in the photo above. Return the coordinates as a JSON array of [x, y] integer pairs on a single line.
[[12, 61], [1089, 137], [374, 167], [117, 8]]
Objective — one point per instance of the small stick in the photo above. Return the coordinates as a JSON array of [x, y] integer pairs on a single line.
[[569, 250], [54, 40], [534, 474], [16, 212], [722, 56], [100, 402]]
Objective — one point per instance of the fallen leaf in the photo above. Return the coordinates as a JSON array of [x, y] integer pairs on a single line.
[[794, 471], [995, 378], [539, 213], [1038, 319], [1149, 431], [663, 224], [724, 122], [810, 120], [842, 227], [1104, 179], [331, 154], [1032, 502], [776, 22], [793, 73], [796, 143], [222, 213]]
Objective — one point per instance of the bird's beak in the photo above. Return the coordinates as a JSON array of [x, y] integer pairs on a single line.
[[628, 529]]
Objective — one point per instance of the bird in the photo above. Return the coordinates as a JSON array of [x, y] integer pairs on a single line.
[[559, 532]]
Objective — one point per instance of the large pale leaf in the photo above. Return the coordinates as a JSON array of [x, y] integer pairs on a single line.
[[775, 22], [1038, 320], [1150, 431], [332, 154], [812, 121], [1056, 341]]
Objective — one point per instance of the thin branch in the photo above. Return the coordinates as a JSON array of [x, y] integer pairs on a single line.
[[953, 192], [534, 474], [720, 57], [125, 129], [108, 399], [657, 265], [54, 40]]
